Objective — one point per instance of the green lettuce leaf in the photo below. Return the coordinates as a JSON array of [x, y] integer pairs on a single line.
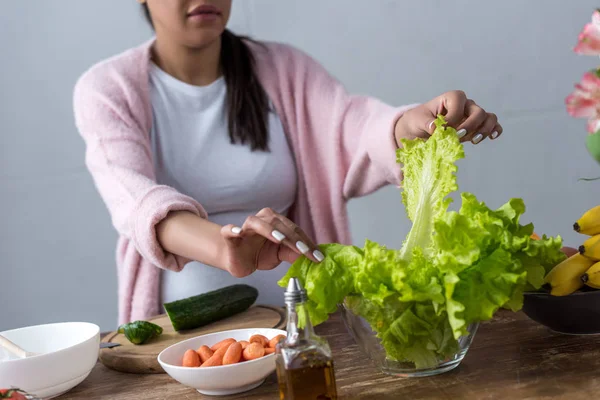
[[488, 253], [326, 283], [379, 316], [429, 177], [478, 291], [418, 280], [420, 335], [373, 277], [545, 252]]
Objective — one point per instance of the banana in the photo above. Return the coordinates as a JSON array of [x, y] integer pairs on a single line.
[[592, 276], [565, 278], [589, 223], [591, 248]]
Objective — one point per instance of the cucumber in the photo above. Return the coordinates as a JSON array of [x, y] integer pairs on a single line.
[[203, 309]]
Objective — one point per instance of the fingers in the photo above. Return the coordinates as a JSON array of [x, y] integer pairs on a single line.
[[453, 107], [302, 241], [475, 119], [496, 132], [287, 254], [295, 237], [479, 124], [471, 121], [488, 128], [280, 230], [256, 225], [231, 232]]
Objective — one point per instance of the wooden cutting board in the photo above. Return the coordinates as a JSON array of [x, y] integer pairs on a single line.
[[142, 359]]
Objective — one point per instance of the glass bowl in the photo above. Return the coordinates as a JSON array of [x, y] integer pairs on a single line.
[[370, 345]]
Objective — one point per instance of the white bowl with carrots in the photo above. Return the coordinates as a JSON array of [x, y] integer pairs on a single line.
[[223, 363]]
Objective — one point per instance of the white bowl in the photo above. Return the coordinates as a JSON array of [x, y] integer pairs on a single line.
[[68, 350], [225, 379]]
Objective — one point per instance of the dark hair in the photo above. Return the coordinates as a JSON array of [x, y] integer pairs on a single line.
[[247, 102]]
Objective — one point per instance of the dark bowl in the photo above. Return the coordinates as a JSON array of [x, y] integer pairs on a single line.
[[575, 314]]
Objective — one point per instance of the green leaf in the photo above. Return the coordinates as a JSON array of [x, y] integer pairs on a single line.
[[477, 292], [373, 277], [420, 335], [429, 177], [328, 282], [418, 280], [539, 257]]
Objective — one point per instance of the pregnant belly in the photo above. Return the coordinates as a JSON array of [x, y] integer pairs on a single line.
[[197, 278]]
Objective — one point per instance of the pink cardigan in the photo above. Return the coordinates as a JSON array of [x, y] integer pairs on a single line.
[[343, 146]]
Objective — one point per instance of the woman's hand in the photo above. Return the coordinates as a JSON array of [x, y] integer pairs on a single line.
[[263, 242], [471, 122]]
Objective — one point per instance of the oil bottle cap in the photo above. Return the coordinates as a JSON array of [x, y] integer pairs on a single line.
[[295, 293]]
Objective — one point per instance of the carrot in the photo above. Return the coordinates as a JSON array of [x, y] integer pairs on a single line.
[[212, 362], [223, 342], [191, 359], [217, 357], [244, 343], [205, 353], [253, 351], [269, 350], [260, 339], [233, 354], [220, 352], [273, 342]]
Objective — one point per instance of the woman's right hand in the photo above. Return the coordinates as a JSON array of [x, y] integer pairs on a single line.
[[264, 241]]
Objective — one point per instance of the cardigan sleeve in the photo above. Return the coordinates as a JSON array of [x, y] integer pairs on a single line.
[[118, 156], [354, 135]]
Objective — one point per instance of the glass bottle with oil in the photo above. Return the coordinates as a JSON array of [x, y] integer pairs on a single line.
[[303, 359]]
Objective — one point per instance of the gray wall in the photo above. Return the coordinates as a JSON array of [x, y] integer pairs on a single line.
[[514, 57]]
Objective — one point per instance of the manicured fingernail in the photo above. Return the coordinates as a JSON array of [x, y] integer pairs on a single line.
[[302, 247], [494, 134], [236, 230], [318, 255], [461, 133], [278, 235], [431, 124], [478, 138]]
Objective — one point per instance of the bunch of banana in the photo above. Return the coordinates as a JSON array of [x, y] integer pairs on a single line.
[[583, 268], [566, 277]]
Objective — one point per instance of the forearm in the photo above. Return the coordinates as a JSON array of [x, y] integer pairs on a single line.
[[188, 235]]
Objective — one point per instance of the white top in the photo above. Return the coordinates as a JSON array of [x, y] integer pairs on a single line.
[[193, 153]]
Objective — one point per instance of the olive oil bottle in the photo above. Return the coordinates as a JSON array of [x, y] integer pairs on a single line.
[[304, 363]]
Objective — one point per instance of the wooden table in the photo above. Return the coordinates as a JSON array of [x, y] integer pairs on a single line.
[[511, 357]]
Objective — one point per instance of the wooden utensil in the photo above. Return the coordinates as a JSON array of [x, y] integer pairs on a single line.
[[142, 359], [14, 349]]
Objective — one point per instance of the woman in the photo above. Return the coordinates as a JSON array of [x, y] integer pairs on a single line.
[[234, 156]]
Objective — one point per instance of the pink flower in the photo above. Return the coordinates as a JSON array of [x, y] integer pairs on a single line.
[[584, 102], [593, 125], [589, 38]]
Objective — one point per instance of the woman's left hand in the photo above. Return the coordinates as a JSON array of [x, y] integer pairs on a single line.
[[471, 122]]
